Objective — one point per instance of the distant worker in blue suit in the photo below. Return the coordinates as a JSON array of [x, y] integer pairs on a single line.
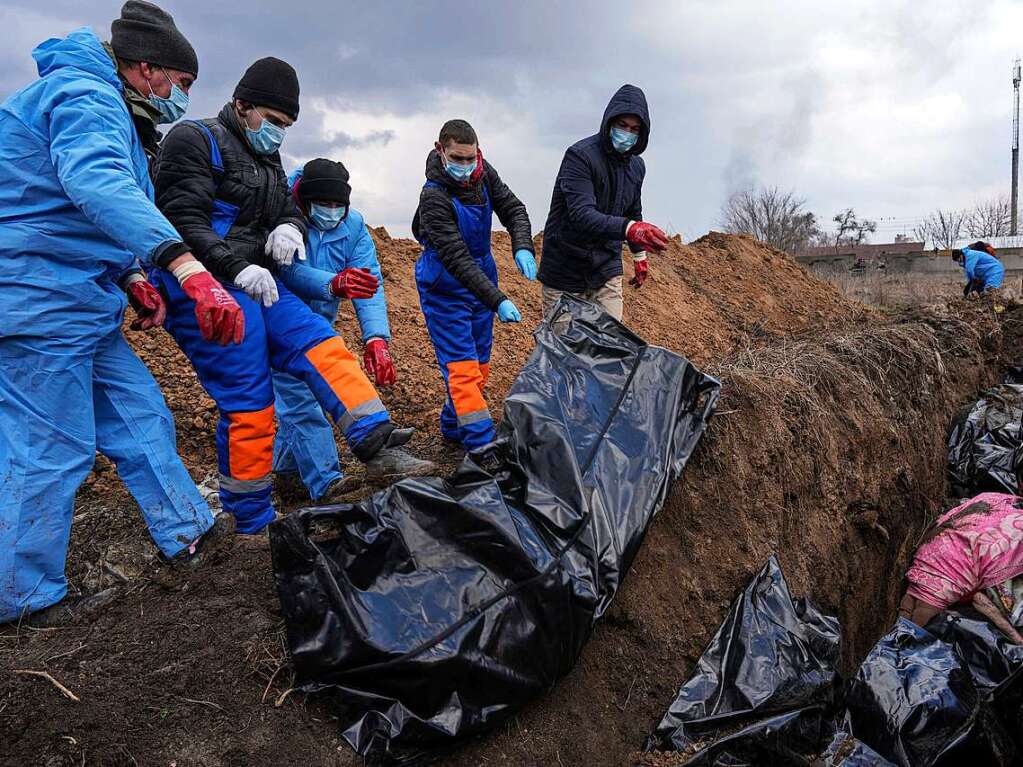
[[984, 271], [340, 263]]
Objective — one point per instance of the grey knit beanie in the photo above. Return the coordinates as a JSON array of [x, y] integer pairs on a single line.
[[147, 33]]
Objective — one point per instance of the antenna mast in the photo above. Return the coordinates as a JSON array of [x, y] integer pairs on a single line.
[[1015, 147]]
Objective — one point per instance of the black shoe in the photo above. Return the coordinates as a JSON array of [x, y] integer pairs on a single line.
[[199, 550], [70, 609], [394, 463]]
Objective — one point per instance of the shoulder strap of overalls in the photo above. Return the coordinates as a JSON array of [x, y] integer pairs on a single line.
[[216, 160]]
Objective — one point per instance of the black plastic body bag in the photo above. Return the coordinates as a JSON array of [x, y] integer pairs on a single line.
[[763, 689], [436, 608], [984, 443]]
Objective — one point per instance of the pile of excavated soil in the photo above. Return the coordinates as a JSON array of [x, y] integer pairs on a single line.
[[702, 300], [827, 451]]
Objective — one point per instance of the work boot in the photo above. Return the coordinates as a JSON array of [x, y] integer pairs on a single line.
[[85, 606], [393, 463], [199, 550]]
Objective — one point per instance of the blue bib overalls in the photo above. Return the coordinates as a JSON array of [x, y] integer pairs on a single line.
[[461, 327]]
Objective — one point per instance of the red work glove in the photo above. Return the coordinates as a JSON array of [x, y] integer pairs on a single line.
[[219, 316], [148, 305], [379, 362], [354, 283], [646, 236], [642, 267]]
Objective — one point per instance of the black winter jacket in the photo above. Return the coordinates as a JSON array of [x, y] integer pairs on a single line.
[[597, 192], [186, 187], [436, 222]]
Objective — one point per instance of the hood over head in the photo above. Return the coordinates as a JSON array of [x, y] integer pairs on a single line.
[[628, 100], [80, 50]]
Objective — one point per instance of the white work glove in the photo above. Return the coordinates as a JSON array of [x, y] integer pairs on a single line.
[[258, 283], [283, 243]]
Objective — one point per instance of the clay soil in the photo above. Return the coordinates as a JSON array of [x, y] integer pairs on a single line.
[[826, 450]]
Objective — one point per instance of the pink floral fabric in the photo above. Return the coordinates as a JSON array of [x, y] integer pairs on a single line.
[[982, 546]]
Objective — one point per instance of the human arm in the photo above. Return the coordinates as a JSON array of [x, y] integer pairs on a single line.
[[511, 211], [988, 609], [575, 181], [185, 190], [91, 151], [970, 259], [307, 282], [635, 213], [439, 226], [372, 312]]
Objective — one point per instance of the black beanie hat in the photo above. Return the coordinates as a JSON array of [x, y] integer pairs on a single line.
[[324, 180], [148, 33], [270, 83]]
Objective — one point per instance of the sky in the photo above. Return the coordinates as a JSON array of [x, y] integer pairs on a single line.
[[891, 108]]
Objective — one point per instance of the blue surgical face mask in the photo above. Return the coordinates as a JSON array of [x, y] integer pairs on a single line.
[[325, 218], [459, 172], [173, 108], [623, 140], [267, 139]]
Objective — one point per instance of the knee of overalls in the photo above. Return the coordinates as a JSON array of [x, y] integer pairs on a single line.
[[304, 344], [237, 377]]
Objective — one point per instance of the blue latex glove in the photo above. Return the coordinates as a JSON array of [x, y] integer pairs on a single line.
[[526, 263], [506, 312]]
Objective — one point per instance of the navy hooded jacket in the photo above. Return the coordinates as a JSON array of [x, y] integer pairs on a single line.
[[596, 194]]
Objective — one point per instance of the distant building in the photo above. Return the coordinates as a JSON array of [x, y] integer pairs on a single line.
[[871, 251]]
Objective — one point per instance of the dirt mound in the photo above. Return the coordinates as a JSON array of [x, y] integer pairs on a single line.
[[826, 451]]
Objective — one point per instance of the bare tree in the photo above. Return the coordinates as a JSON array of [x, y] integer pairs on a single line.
[[991, 218], [942, 227], [850, 230], [774, 217]]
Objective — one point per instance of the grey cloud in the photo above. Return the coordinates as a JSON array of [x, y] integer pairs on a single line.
[[554, 65]]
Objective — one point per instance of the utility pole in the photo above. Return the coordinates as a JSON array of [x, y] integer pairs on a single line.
[[1015, 147]]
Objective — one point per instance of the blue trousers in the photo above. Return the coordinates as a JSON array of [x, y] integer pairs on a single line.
[[305, 439], [462, 331], [56, 411], [288, 337]]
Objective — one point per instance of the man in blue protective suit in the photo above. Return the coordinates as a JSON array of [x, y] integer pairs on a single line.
[[221, 183], [457, 277], [340, 263], [76, 221], [984, 271]]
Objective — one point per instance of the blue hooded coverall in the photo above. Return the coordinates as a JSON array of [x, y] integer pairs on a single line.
[[305, 440], [461, 327], [983, 267], [76, 212]]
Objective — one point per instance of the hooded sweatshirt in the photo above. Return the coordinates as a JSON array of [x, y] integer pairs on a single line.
[[597, 192]]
